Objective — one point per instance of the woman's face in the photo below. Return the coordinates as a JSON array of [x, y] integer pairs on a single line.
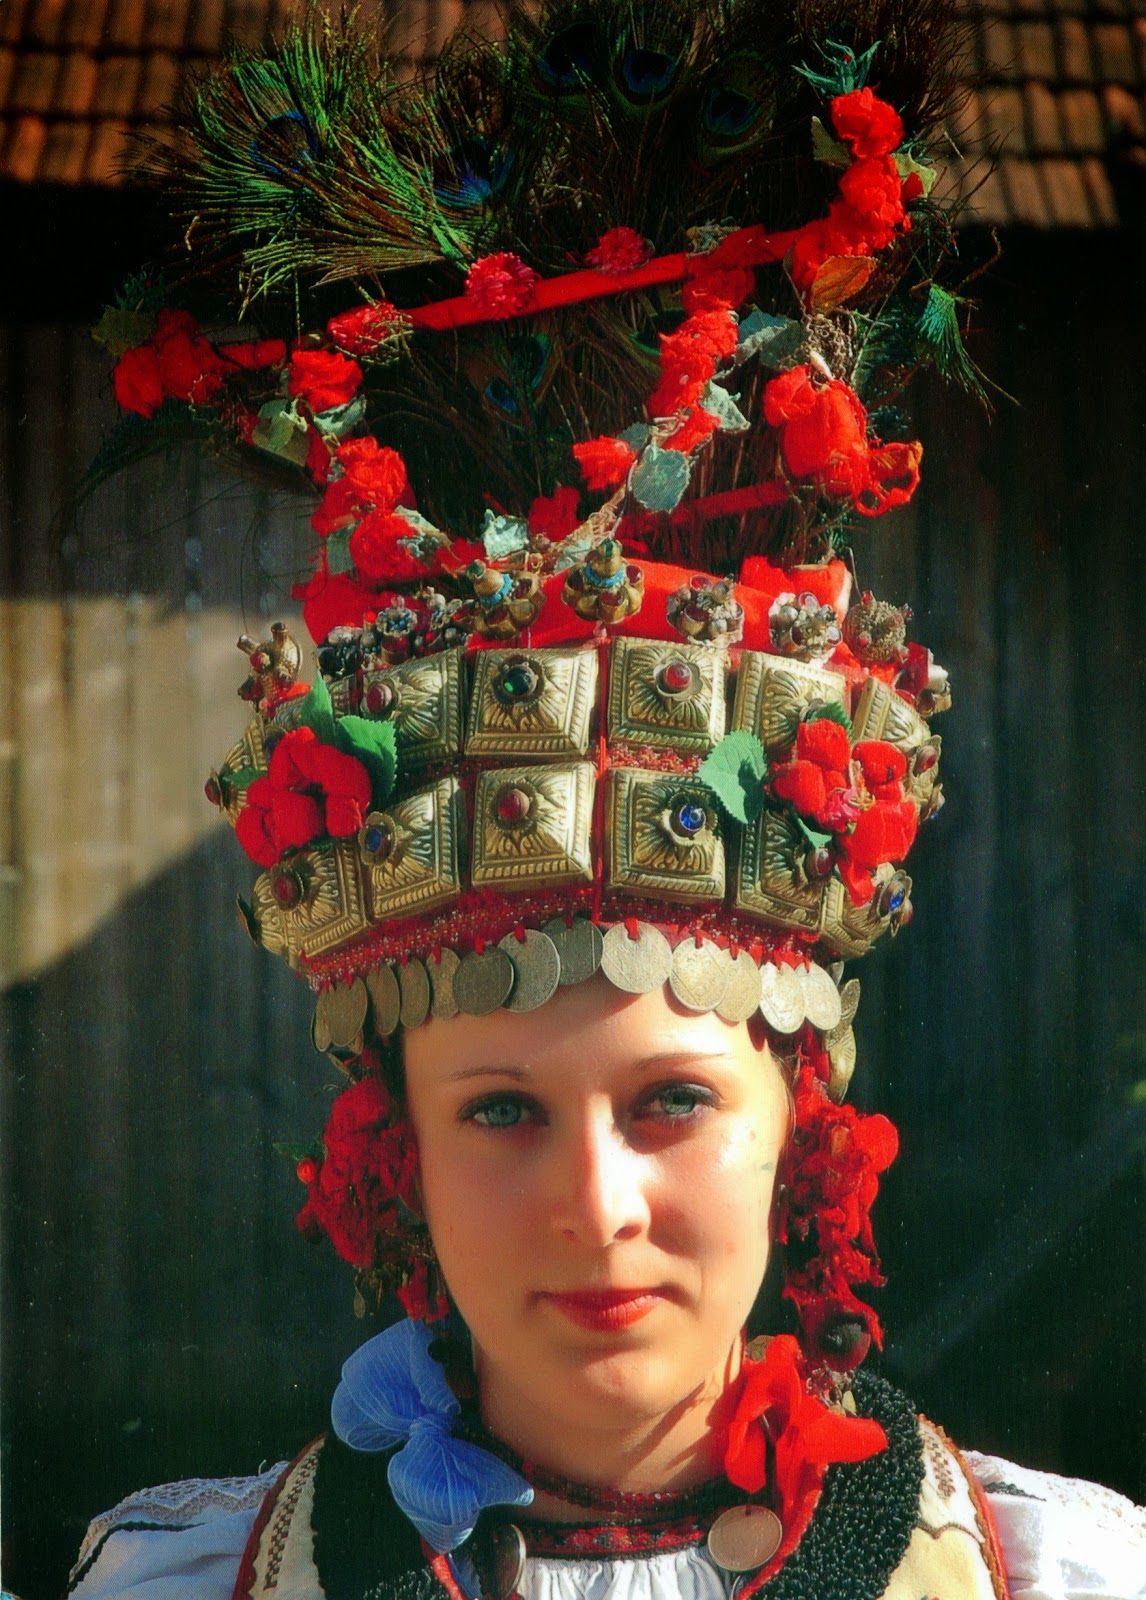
[[597, 1177]]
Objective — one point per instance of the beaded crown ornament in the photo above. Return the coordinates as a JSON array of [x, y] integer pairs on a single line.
[[590, 341]]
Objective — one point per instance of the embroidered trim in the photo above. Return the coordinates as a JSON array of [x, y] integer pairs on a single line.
[[615, 1541], [992, 1545]]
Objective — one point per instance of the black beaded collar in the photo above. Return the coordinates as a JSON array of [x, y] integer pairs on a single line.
[[365, 1549]]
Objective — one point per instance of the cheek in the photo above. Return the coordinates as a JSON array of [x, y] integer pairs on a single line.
[[478, 1217], [716, 1199]]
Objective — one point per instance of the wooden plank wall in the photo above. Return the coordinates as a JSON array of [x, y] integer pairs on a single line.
[[161, 1319]]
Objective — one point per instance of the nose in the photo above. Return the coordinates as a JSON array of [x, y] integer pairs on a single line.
[[600, 1182]]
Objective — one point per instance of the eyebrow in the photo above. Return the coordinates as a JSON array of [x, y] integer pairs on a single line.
[[664, 1061]]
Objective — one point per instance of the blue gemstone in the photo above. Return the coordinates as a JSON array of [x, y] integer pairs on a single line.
[[690, 817], [375, 839], [896, 899]]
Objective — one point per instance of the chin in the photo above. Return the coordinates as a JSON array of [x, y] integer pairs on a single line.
[[640, 1383]]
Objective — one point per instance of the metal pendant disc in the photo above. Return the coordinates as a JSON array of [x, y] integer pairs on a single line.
[[536, 967], [414, 986], [640, 965], [579, 947], [386, 998], [483, 982], [499, 1560], [744, 1538], [343, 1010], [442, 972], [849, 1001], [699, 975], [742, 996], [781, 998], [821, 998], [319, 1032], [842, 1055]]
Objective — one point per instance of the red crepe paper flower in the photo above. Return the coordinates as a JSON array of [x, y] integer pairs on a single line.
[[135, 379], [689, 358], [832, 1169], [873, 191], [556, 515], [697, 426], [324, 379], [619, 250], [373, 479], [868, 125], [368, 1167], [775, 1408], [604, 462], [255, 354], [310, 790], [377, 554], [881, 762], [175, 363], [365, 329], [416, 1298], [501, 285], [893, 477]]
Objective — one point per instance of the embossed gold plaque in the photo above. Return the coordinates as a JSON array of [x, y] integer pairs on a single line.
[[249, 757], [532, 705], [774, 692], [546, 838], [421, 867], [771, 882], [330, 908], [648, 851], [853, 929], [883, 714], [426, 708], [667, 695]]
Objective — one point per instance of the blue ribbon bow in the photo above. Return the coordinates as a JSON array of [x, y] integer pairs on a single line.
[[393, 1390]]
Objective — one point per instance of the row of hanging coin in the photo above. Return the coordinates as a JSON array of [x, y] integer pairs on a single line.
[[527, 967]]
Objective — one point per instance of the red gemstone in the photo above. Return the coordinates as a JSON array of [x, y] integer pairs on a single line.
[[676, 676], [286, 889], [377, 698], [213, 791], [307, 1170], [513, 805], [926, 758]]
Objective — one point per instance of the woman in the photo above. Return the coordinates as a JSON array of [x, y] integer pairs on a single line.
[[588, 810]]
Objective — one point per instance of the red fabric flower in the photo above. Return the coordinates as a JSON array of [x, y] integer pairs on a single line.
[[873, 192], [619, 250], [501, 285], [368, 1167], [825, 742], [378, 556], [373, 479], [823, 430], [604, 462], [893, 477], [310, 790], [364, 329], [880, 762], [689, 358], [415, 1296], [135, 379], [176, 363], [324, 379], [697, 426], [556, 515], [255, 354], [868, 125], [775, 1407]]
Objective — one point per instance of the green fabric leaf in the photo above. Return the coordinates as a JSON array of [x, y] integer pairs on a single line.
[[771, 338], [636, 435], [373, 743], [832, 712], [828, 149], [816, 839], [280, 431], [338, 557], [317, 712], [720, 404], [299, 1152], [735, 773], [907, 167], [120, 331], [504, 536], [660, 478]]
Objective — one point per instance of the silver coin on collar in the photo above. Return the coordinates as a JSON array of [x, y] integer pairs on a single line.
[[386, 998], [842, 1055], [579, 946], [414, 987], [781, 998], [744, 1538], [699, 975], [821, 998], [507, 1559], [640, 965], [483, 981], [742, 996], [343, 1010], [442, 973], [536, 968], [849, 1001], [319, 1032]]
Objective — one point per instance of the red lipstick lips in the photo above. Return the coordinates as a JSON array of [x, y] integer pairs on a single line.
[[606, 1310]]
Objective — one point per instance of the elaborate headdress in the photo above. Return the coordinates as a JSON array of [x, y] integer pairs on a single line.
[[590, 344]]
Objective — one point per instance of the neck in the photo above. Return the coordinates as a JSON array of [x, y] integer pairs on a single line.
[[678, 1450]]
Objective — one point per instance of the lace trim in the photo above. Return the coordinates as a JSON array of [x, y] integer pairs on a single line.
[[1109, 1511], [177, 1505]]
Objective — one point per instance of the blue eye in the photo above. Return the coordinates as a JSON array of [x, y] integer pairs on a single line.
[[503, 1112], [680, 1100]]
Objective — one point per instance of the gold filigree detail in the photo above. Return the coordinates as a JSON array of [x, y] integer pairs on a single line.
[[551, 844], [330, 911], [771, 882], [773, 693], [553, 721], [883, 714], [422, 867], [646, 856], [249, 756], [426, 709], [643, 712], [852, 930]]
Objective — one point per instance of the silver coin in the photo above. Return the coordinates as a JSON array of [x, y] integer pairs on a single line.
[[640, 965], [744, 1538], [821, 997], [849, 1000], [842, 1055], [483, 982], [536, 969], [319, 1032], [442, 973], [386, 998], [414, 987], [507, 1547], [781, 998], [579, 946], [742, 996], [699, 976], [343, 1010]]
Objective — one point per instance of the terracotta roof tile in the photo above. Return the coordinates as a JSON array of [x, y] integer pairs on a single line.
[[1101, 194], [118, 86], [124, 26], [1043, 125], [35, 81], [160, 81], [84, 24], [75, 90], [106, 153], [1082, 120], [1004, 123], [1074, 50], [7, 72], [65, 151], [1000, 50], [166, 24], [1026, 201], [1067, 194], [44, 21], [1114, 52], [205, 30], [24, 146], [1125, 113], [1036, 51]]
